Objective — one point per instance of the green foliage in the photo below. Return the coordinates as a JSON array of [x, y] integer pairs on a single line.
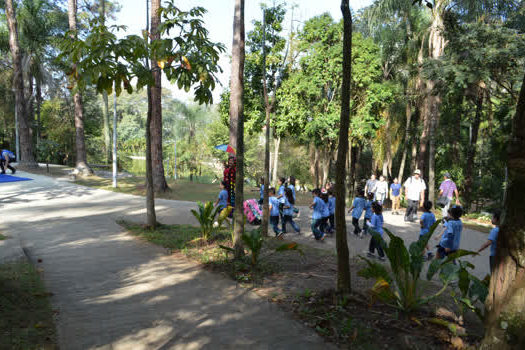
[[47, 151], [254, 241], [205, 216], [400, 288]]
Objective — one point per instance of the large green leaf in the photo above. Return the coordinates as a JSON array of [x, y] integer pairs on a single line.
[[397, 254], [374, 270]]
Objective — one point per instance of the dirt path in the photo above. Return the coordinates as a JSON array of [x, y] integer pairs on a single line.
[[111, 291]]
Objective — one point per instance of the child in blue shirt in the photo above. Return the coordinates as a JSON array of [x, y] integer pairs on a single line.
[[288, 211], [376, 224], [357, 210], [222, 200], [368, 213], [325, 226], [274, 212], [261, 191], [319, 208], [451, 237], [427, 220], [331, 210], [493, 238]]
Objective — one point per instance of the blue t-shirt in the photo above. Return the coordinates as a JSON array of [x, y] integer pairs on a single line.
[[292, 187], [274, 202], [396, 189], [452, 235], [368, 210], [377, 223], [319, 208], [331, 205], [428, 220], [223, 199], [288, 211], [326, 209], [261, 191], [7, 153], [493, 236], [280, 192], [359, 204]]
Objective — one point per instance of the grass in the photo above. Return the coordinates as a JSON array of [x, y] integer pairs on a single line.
[[26, 320], [2, 237]]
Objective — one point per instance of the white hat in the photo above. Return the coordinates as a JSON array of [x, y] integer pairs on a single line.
[[417, 171]]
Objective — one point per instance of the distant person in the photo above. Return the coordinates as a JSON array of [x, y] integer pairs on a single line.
[[368, 213], [325, 226], [451, 237], [381, 190], [229, 178], [376, 224], [289, 203], [370, 186], [222, 200], [395, 196], [318, 208], [448, 189], [7, 158], [331, 209], [357, 208], [291, 185], [261, 191], [427, 220], [414, 193], [492, 240], [274, 212]]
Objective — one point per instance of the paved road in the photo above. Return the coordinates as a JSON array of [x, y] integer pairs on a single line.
[[115, 292]]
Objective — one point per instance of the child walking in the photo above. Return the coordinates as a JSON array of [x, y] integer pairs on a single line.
[[357, 209], [376, 224], [289, 202], [368, 213], [318, 207], [493, 237], [274, 212], [427, 220], [451, 237], [222, 200], [325, 226], [331, 210]]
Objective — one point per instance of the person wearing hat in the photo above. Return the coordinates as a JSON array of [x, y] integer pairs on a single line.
[[414, 194], [448, 189]]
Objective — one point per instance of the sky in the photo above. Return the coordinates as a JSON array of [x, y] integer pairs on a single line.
[[219, 22]]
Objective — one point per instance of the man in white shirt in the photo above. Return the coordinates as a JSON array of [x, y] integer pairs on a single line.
[[414, 193]]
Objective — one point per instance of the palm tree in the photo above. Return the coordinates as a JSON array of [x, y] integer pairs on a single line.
[[81, 161]]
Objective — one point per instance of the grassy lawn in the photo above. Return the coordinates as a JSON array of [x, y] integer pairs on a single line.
[[26, 320]]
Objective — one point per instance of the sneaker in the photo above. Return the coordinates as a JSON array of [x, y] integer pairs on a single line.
[[280, 234], [13, 171], [370, 255], [382, 258], [430, 256], [406, 219], [322, 237]]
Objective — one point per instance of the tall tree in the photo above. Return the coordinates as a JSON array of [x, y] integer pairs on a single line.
[[26, 146], [343, 264], [105, 105], [159, 180], [237, 120], [506, 300], [81, 160]]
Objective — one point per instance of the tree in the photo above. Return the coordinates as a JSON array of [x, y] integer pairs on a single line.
[[343, 266], [105, 106], [505, 303], [237, 120], [26, 146]]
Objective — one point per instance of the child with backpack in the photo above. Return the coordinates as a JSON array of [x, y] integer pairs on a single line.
[[491, 241], [357, 209], [6, 157], [289, 202], [319, 208], [274, 212], [451, 236], [376, 224], [427, 220]]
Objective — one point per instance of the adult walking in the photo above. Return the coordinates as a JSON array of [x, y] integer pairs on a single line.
[[7, 158], [381, 190], [395, 196], [370, 186], [414, 193], [448, 189]]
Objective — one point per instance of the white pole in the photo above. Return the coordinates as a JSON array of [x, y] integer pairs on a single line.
[[114, 139], [17, 138]]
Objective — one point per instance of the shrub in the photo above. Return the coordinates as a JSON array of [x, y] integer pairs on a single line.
[[206, 217]]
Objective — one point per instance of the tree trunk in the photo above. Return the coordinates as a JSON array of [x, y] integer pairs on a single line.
[[408, 113], [413, 155], [436, 102], [151, 217], [325, 166], [506, 300], [105, 104], [81, 166], [237, 120], [159, 180], [277, 146], [38, 87], [266, 206], [471, 153], [26, 155], [343, 263]]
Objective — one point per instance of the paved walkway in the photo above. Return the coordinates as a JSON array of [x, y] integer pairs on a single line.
[[115, 292]]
